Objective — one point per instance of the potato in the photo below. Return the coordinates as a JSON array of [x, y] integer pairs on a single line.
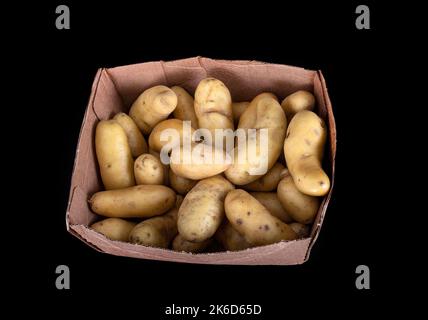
[[152, 106], [114, 155], [202, 210], [178, 201], [185, 109], [181, 244], [230, 239], [136, 140], [297, 101], [148, 170], [156, 232], [201, 163], [213, 107], [238, 108], [271, 202], [172, 139], [268, 182], [253, 221], [302, 230], [301, 207], [141, 201], [303, 149], [114, 228], [179, 184], [263, 113], [165, 167]]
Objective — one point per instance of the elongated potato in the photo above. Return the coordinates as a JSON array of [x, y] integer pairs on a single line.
[[181, 244], [172, 137], [156, 232], [185, 109], [201, 163], [152, 106], [297, 101], [202, 210], [213, 107], [136, 140], [301, 229], [268, 182], [148, 170], [230, 239], [180, 184], [301, 207], [141, 201], [114, 155], [253, 156], [114, 228], [303, 149], [252, 220], [271, 202], [238, 109]]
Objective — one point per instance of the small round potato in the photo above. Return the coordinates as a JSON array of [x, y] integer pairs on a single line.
[[297, 101], [202, 210], [271, 202], [252, 220], [136, 140], [114, 228], [268, 182], [301, 207], [141, 201], [181, 244], [152, 106], [302, 230], [148, 170], [185, 109], [114, 155], [179, 184], [230, 239]]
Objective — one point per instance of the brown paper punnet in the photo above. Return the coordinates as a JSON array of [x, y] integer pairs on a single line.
[[115, 89]]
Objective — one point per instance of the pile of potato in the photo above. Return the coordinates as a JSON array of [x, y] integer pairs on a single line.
[[196, 208]]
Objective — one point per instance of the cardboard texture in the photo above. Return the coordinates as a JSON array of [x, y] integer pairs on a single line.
[[115, 89]]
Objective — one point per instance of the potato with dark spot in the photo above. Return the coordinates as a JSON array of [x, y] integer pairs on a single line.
[[185, 109], [114, 228], [230, 239], [259, 227], [271, 202], [156, 232], [152, 106], [114, 155], [268, 182], [148, 170], [303, 150], [301, 229], [180, 184], [181, 244], [301, 207], [141, 201], [136, 140], [298, 101], [202, 210], [238, 109]]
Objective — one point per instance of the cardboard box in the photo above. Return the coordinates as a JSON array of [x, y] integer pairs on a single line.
[[115, 89]]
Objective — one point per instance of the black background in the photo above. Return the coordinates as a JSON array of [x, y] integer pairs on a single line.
[[322, 36]]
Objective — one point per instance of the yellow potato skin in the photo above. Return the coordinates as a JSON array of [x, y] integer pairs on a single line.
[[114, 228], [155, 142], [238, 109], [213, 105], [301, 207], [301, 229], [230, 239], [185, 109], [202, 210], [148, 170], [156, 232], [141, 201], [298, 101], [164, 166], [303, 149], [152, 106], [252, 220], [181, 244], [180, 184], [268, 182], [271, 202], [265, 113], [136, 140], [114, 155]]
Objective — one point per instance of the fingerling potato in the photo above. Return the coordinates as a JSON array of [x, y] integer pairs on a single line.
[[136, 140], [185, 109], [271, 202], [230, 239], [297, 101], [114, 228], [268, 182]]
